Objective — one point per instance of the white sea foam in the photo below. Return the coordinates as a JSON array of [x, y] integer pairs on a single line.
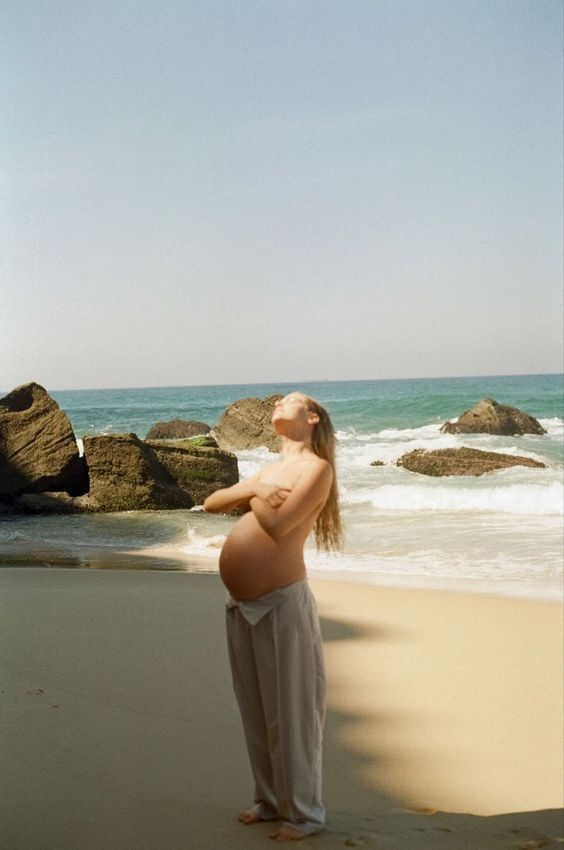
[[428, 562], [363, 453], [432, 430], [554, 426], [535, 499], [423, 432], [507, 572], [252, 460], [519, 491], [200, 543]]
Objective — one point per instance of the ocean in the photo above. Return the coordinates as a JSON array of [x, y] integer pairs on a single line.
[[501, 533]]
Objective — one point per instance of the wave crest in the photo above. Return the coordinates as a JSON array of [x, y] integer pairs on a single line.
[[522, 499]]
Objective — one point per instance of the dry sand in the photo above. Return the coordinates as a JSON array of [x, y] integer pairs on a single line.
[[120, 730]]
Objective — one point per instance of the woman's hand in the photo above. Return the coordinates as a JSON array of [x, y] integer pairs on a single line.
[[272, 494], [302, 503], [238, 497]]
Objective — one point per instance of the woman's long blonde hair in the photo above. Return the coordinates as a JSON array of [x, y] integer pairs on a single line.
[[327, 529]]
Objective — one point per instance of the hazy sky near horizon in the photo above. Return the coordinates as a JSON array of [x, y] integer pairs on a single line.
[[236, 191]]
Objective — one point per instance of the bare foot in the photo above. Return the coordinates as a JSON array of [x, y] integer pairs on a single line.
[[288, 833], [250, 816]]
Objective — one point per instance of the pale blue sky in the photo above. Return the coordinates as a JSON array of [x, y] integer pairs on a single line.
[[224, 192]]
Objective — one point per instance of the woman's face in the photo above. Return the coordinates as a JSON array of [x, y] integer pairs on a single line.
[[293, 408], [289, 407]]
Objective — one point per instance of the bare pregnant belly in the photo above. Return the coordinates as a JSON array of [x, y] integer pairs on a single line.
[[252, 563]]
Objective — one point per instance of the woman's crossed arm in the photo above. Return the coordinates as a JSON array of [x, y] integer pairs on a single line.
[[309, 493]]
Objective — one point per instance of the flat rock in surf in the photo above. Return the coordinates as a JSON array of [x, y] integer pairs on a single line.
[[463, 461]]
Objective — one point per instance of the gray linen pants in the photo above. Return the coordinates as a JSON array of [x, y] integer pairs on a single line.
[[279, 680]]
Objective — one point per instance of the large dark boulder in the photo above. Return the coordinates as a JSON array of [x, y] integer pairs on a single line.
[[198, 467], [126, 475], [246, 424], [490, 417], [177, 429], [463, 461], [38, 450]]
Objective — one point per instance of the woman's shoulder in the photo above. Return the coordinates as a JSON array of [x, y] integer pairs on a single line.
[[320, 461], [319, 465]]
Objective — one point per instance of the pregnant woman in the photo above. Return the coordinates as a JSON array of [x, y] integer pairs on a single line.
[[272, 624]]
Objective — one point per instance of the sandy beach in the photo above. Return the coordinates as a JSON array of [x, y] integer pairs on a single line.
[[121, 732]]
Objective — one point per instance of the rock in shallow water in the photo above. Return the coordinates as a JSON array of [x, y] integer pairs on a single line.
[[126, 475], [177, 429], [490, 417], [463, 461]]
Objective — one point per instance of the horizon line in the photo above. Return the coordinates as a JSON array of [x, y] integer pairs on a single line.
[[302, 382]]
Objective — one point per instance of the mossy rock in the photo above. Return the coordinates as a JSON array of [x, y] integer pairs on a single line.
[[205, 441], [126, 475], [199, 468]]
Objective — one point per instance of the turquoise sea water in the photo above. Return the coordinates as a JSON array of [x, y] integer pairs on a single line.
[[365, 406], [499, 533]]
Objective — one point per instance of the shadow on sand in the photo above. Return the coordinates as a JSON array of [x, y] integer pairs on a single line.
[[121, 730]]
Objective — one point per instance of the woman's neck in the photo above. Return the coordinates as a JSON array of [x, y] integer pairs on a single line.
[[294, 448]]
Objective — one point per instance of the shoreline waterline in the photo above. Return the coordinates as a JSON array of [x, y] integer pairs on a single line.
[[170, 560]]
